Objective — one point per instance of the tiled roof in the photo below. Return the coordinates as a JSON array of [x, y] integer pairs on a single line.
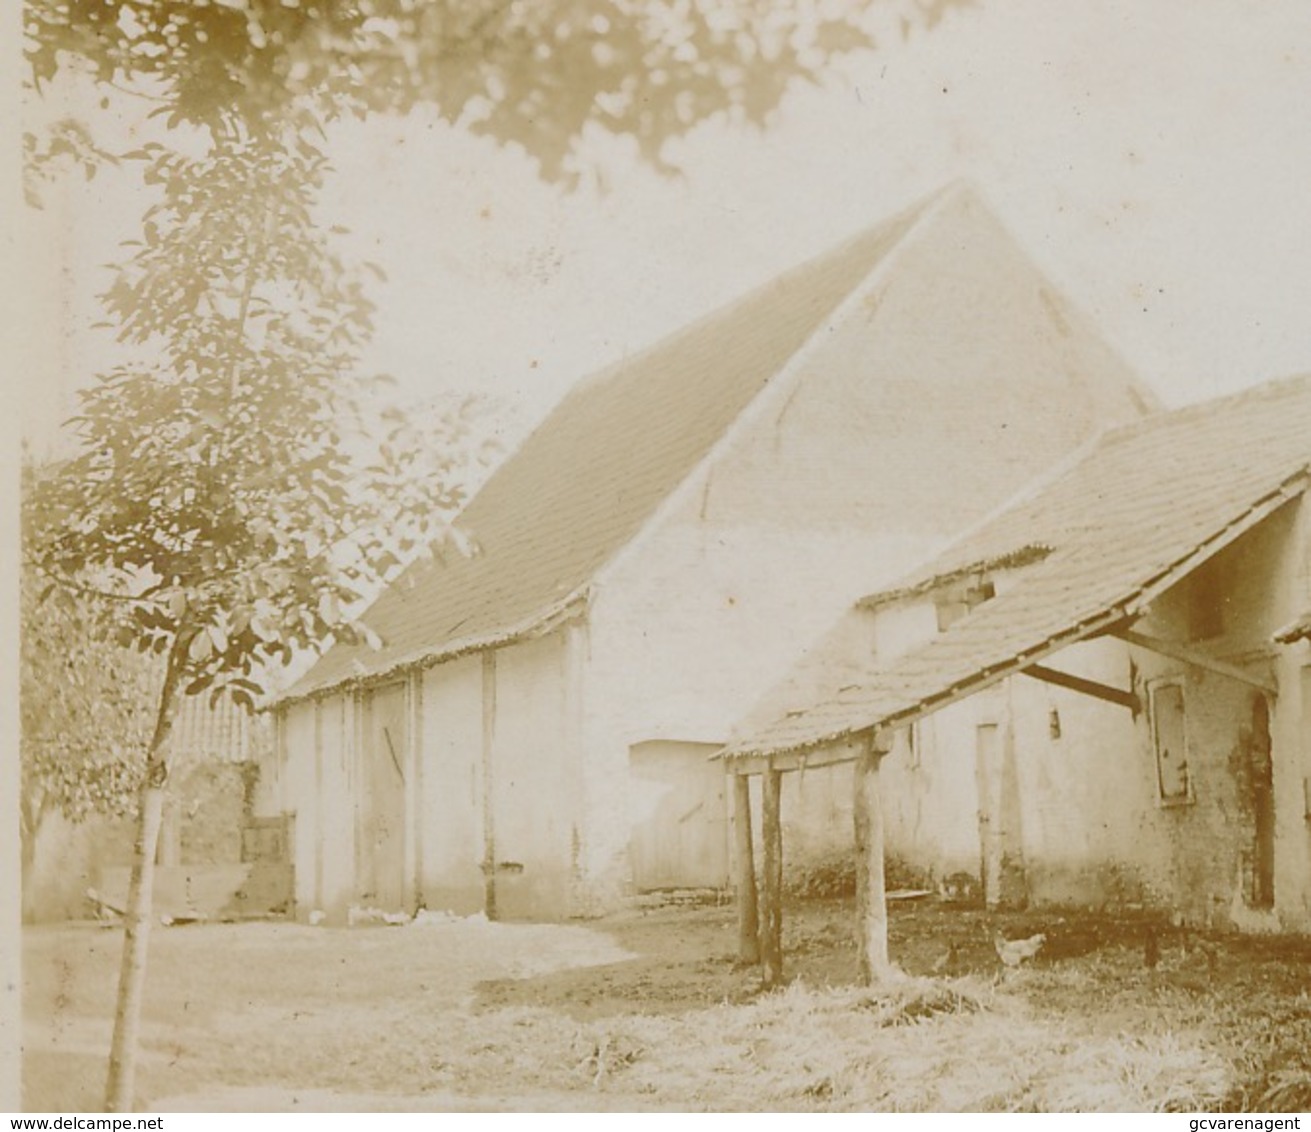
[[224, 732], [1144, 505], [584, 483]]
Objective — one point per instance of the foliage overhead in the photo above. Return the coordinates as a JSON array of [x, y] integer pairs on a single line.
[[535, 73], [216, 498]]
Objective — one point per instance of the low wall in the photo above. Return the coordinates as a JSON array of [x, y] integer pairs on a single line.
[[211, 892]]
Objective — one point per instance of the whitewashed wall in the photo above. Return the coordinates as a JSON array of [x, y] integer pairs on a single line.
[[1092, 826], [451, 808]]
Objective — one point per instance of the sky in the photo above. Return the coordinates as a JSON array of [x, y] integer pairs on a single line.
[[1153, 158]]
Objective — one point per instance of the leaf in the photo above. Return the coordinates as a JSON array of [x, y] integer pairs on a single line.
[[218, 637], [329, 610], [198, 685], [199, 648]]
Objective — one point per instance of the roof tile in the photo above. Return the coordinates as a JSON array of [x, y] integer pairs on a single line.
[[634, 431], [1139, 502]]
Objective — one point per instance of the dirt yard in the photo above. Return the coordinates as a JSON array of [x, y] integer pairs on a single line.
[[648, 1011]]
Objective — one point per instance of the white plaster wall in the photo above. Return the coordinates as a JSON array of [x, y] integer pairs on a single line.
[[451, 877], [686, 638], [1093, 828], [335, 879], [832, 488], [534, 786], [300, 797]]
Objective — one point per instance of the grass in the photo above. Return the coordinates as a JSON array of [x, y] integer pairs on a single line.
[[650, 1011]]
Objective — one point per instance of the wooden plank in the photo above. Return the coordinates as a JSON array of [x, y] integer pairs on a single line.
[[488, 783], [846, 750], [871, 897], [575, 667], [748, 919], [320, 799], [415, 802], [1080, 684], [1175, 650], [771, 926]]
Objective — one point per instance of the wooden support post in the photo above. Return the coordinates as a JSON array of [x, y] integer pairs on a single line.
[[490, 909], [871, 898], [748, 920], [771, 926]]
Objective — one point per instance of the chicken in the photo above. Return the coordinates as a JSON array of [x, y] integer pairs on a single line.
[[1013, 952]]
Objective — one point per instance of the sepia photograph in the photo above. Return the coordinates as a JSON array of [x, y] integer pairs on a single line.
[[659, 556]]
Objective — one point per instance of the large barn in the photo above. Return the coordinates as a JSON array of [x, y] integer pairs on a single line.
[[532, 737]]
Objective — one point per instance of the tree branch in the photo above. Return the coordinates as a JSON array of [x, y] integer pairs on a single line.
[[145, 598]]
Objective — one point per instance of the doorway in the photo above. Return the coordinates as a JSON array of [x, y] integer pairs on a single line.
[[380, 865], [681, 837]]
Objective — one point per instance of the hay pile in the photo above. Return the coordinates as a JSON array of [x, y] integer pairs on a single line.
[[920, 1045]]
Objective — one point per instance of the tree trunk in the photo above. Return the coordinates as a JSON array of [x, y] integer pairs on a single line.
[[136, 939], [140, 900], [31, 817]]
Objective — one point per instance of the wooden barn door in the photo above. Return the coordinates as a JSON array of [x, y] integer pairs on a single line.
[[380, 865], [681, 840]]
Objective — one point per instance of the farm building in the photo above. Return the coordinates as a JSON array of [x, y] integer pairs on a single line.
[[1100, 695], [532, 738]]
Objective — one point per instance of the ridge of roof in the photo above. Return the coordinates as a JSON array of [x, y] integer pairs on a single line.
[[977, 549], [1290, 385]]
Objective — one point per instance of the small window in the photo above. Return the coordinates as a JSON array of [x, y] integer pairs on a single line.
[[1170, 741]]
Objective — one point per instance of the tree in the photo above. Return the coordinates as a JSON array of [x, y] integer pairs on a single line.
[[85, 706], [215, 507], [215, 510]]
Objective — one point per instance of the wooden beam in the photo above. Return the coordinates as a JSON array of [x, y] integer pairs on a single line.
[[748, 919], [414, 791], [871, 895], [846, 750], [1086, 687], [489, 784], [1175, 650], [320, 826], [771, 926]]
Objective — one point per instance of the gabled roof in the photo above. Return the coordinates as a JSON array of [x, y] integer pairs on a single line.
[[1144, 506], [584, 483]]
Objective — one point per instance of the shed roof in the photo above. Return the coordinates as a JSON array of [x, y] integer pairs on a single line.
[[1137, 511]]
